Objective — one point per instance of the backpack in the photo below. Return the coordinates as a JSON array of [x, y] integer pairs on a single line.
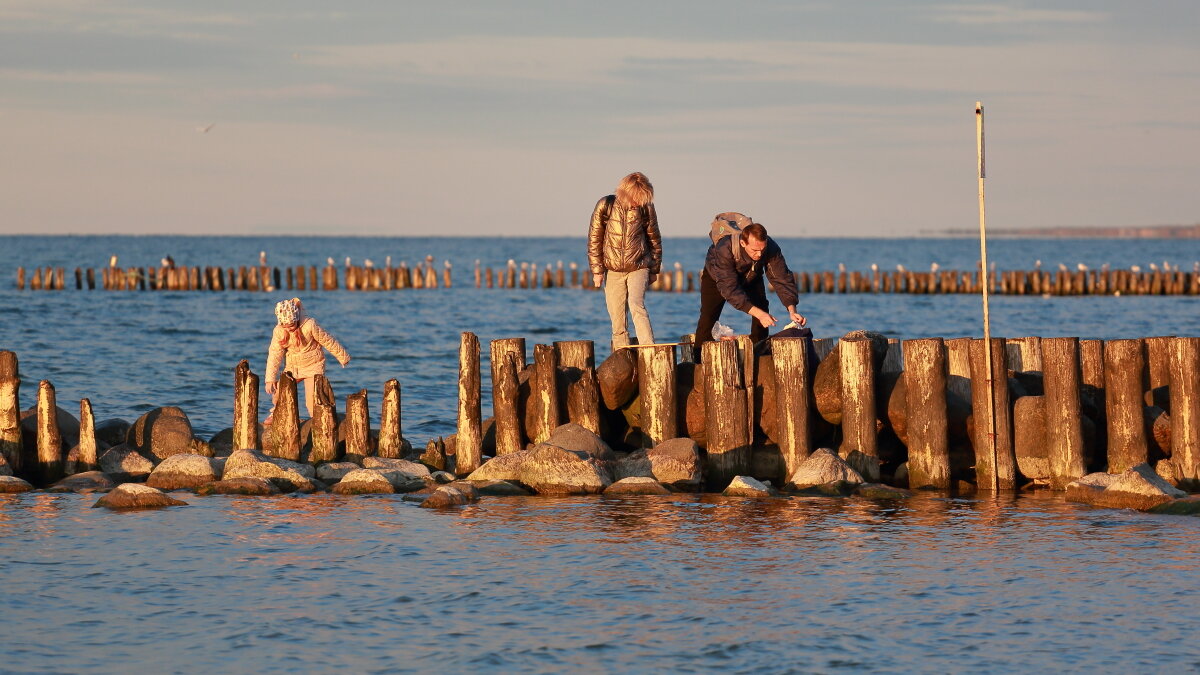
[[729, 223]]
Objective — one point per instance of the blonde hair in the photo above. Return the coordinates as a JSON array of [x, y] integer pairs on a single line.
[[635, 190]]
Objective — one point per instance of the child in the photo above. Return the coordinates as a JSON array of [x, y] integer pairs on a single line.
[[300, 339]]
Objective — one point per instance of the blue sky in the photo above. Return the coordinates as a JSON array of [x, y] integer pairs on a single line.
[[467, 118]]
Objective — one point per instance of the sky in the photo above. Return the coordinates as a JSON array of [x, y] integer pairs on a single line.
[[476, 117]]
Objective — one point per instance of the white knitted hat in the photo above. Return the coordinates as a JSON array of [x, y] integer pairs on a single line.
[[287, 312]]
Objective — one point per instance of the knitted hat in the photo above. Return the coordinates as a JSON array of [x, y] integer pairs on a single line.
[[287, 311]]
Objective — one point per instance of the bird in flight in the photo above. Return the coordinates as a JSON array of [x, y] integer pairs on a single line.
[[205, 130]]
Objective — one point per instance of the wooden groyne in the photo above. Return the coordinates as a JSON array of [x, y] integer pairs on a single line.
[[1155, 280]]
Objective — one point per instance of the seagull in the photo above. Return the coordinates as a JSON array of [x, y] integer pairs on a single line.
[[205, 129], [368, 263], [329, 261], [262, 257]]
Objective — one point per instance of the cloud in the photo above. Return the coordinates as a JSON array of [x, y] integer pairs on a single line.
[[992, 14], [110, 78]]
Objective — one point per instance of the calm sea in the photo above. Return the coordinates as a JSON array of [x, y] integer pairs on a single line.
[[680, 584]]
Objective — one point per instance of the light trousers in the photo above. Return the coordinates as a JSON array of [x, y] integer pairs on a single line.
[[625, 292]]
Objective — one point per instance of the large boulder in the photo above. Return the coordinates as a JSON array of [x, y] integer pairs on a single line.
[[824, 468], [1138, 488], [83, 483], [1029, 438], [335, 471], [136, 496], [745, 486], [576, 438], [68, 427], [1184, 506], [689, 397], [499, 488], [412, 469], [182, 472], [675, 462], [549, 469], [617, 378], [637, 485], [161, 433], [364, 482], [250, 487], [5, 469], [12, 485], [125, 464], [111, 431], [505, 468], [455, 494], [287, 475], [221, 443]]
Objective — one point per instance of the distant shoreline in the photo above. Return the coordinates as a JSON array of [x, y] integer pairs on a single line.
[[1137, 232]]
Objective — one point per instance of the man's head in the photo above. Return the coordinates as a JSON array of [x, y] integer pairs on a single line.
[[754, 240]]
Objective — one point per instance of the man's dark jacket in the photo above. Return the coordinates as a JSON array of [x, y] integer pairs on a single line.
[[734, 275]]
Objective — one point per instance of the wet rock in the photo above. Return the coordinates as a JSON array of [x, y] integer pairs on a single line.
[[637, 485], [287, 475], [674, 462], [221, 444], [1138, 488], [10, 485], [505, 467], [136, 496], [500, 488], [125, 464], [111, 431], [5, 469], [617, 378], [576, 438], [1029, 437], [879, 491], [161, 433], [83, 483], [253, 487], [434, 456], [745, 486], [335, 471], [446, 496], [549, 469], [182, 472], [413, 469], [364, 482], [68, 428], [443, 476], [824, 468], [1168, 471], [1184, 506]]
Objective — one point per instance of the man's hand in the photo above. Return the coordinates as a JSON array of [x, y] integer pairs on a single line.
[[797, 317], [598, 279], [272, 387], [762, 317]]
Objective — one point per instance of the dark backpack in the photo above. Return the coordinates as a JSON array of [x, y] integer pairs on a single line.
[[729, 223]]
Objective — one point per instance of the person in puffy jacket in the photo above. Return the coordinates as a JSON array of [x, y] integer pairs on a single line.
[[733, 273], [299, 342], [625, 254]]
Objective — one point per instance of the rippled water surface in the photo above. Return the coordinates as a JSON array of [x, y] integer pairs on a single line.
[[646, 584]]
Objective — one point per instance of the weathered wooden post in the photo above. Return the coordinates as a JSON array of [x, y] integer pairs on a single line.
[[49, 438], [10, 411], [86, 460], [1185, 410], [1158, 362], [285, 424], [391, 434], [323, 429], [1001, 424], [1124, 406], [656, 387], [20, 278], [544, 393], [358, 427], [727, 423], [505, 403], [859, 447], [498, 348], [469, 446], [1064, 426], [958, 367], [925, 374], [91, 279], [577, 365], [245, 408], [793, 401]]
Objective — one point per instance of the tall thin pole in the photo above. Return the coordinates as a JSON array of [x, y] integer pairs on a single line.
[[983, 282]]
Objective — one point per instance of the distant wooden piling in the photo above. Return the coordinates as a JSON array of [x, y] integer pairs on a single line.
[[49, 437], [546, 415], [1124, 364], [793, 400], [245, 408], [285, 421], [859, 444], [1002, 429], [925, 374], [358, 427], [728, 430], [391, 434], [1064, 424], [1184, 363], [656, 387], [469, 443], [323, 428], [10, 411]]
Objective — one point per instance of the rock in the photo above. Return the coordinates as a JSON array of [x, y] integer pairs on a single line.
[[335, 471], [413, 469], [901, 477], [1167, 470], [745, 486], [10, 485], [239, 486], [1158, 431], [617, 378], [221, 444], [289, 476], [467, 488], [675, 462], [5, 469], [182, 472], [446, 496], [1138, 488], [111, 431], [83, 483], [822, 468], [68, 428], [443, 476], [1184, 506], [549, 469], [161, 433], [499, 488], [364, 482], [637, 485], [124, 464], [505, 467], [1029, 437], [576, 438], [434, 456], [136, 496], [879, 491]]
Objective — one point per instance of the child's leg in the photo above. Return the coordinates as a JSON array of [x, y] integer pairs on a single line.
[[310, 394]]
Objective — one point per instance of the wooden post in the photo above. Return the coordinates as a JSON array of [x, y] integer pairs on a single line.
[[245, 408], [577, 365], [925, 373], [958, 367], [728, 431], [1158, 362], [544, 392], [505, 402], [285, 424], [1064, 427], [498, 348], [1091, 368], [996, 451], [49, 438], [1185, 410], [859, 445], [323, 429], [358, 427], [469, 447], [391, 434], [10, 411], [86, 461], [793, 401], [656, 386], [1124, 407]]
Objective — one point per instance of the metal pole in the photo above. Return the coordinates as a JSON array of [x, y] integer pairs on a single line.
[[983, 282]]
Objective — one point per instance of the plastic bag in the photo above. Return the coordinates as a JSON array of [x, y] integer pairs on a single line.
[[721, 332]]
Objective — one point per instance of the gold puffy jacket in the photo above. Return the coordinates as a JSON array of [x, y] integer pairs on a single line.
[[624, 239]]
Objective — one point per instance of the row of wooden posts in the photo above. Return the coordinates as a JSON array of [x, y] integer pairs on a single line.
[[1063, 281]]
